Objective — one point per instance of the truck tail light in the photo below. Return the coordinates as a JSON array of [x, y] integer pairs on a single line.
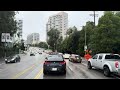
[[116, 64]]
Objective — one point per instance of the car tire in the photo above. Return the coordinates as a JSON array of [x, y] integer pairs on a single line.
[[80, 61], [64, 73], [106, 71], [15, 61], [89, 65], [6, 62], [44, 72]]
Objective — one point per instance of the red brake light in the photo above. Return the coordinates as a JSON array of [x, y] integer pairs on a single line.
[[46, 62], [116, 64], [63, 62]]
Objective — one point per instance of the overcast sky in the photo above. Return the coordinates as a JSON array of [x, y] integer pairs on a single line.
[[35, 21]]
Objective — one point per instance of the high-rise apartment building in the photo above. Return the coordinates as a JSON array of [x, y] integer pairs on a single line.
[[58, 21], [33, 38], [18, 35]]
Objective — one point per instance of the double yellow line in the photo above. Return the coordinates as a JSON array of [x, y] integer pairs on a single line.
[[39, 74], [21, 73], [26, 70]]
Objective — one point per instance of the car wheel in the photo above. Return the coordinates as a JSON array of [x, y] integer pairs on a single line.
[[89, 65], [64, 72], [6, 62], [79, 61], [15, 61], [106, 71], [44, 72]]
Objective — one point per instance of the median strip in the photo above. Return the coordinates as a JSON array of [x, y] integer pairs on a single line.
[[21, 73], [39, 74]]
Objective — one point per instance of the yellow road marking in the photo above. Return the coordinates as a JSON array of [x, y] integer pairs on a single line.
[[39, 74], [21, 73]]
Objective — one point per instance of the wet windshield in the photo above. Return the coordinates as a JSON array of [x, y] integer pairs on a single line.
[[76, 40]]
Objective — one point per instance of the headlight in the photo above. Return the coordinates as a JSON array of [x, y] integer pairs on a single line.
[[12, 59], [5, 59]]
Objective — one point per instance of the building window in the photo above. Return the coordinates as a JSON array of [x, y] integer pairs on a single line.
[[7, 37]]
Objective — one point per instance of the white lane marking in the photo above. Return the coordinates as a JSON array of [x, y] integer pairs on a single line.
[[70, 68]]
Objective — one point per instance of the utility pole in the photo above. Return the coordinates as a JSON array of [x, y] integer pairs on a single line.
[[94, 18], [5, 43], [85, 46], [94, 15], [85, 41]]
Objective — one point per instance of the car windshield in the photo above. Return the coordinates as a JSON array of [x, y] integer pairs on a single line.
[[112, 57], [35, 43], [55, 58]]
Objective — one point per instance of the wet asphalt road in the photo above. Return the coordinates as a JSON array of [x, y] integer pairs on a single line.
[[31, 67]]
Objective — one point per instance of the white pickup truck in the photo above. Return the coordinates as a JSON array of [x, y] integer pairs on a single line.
[[109, 63]]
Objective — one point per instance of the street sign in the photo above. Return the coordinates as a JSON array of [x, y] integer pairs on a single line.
[[5, 37], [85, 48]]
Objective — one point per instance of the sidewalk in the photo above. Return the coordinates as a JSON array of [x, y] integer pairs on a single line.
[[1, 60]]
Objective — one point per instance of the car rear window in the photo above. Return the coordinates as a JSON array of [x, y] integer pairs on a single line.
[[55, 58], [112, 57], [77, 56]]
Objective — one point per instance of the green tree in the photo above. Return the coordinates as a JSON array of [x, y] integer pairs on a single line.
[[43, 45], [71, 30], [53, 35], [7, 22], [70, 44], [22, 46], [59, 44], [106, 36]]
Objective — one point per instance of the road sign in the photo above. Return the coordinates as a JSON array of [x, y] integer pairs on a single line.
[[87, 56], [85, 48], [5, 37]]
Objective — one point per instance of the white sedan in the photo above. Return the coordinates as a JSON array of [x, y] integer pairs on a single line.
[[66, 56]]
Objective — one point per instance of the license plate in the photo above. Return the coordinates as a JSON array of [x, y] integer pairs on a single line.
[[54, 69]]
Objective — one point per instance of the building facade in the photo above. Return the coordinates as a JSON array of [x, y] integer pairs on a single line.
[[18, 35], [58, 21], [33, 38]]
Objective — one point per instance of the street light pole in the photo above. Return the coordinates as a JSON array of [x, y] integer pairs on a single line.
[[85, 41], [94, 15], [94, 18], [5, 43]]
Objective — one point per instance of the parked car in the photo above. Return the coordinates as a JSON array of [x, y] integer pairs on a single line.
[[32, 54], [75, 58], [15, 58], [54, 64], [66, 56], [40, 52], [109, 63], [60, 54]]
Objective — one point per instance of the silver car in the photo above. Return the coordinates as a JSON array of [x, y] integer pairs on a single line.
[[108, 62]]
